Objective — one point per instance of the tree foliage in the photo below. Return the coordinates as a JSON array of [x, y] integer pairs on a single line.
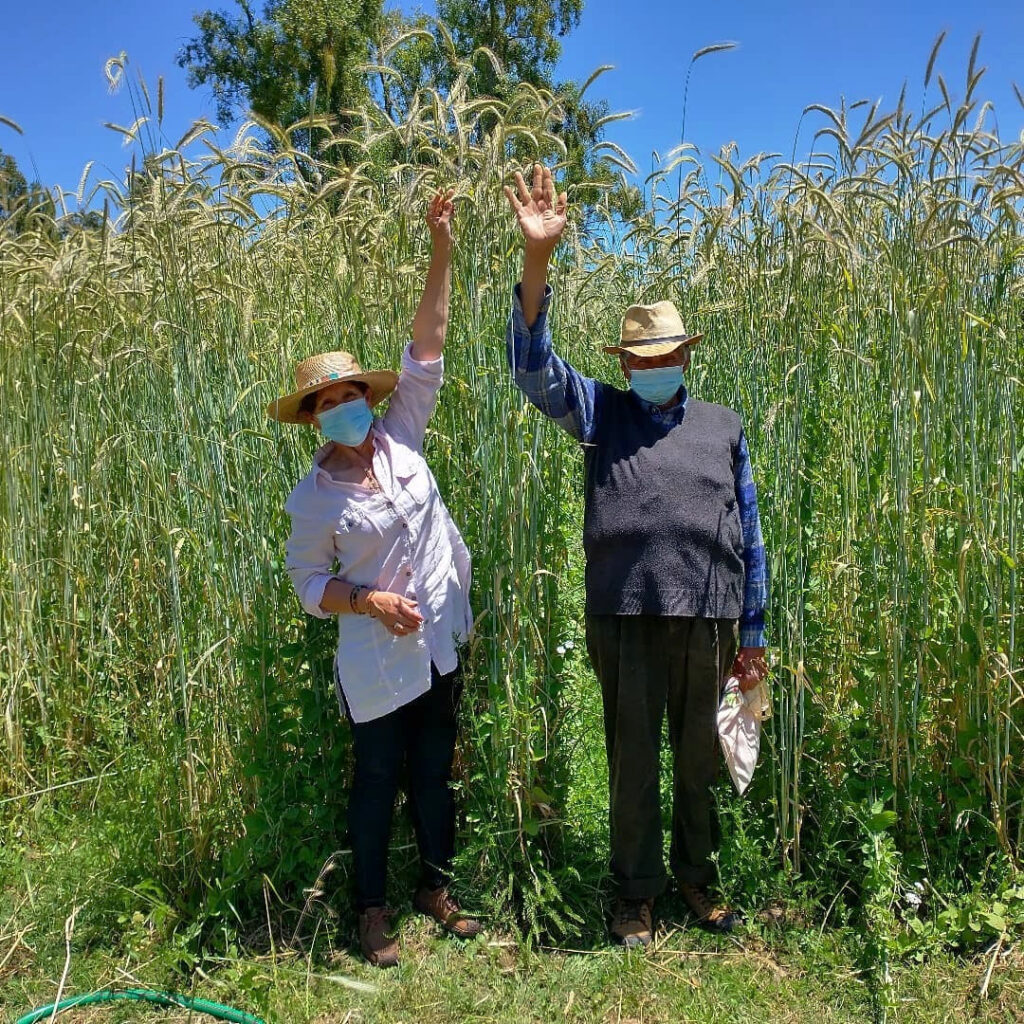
[[303, 58], [21, 201], [523, 34], [300, 58]]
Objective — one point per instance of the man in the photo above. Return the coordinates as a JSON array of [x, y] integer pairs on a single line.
[[675, 560]]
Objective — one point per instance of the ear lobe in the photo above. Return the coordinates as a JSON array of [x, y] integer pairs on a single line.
[[308, 418]]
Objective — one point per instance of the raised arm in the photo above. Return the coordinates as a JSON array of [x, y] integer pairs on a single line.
[[430, 324], [420, 375], [551, 384], [542, 217]]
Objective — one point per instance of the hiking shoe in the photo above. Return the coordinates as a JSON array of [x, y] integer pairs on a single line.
[[720, 920], [631, 922], [377, 943], [444, 908]]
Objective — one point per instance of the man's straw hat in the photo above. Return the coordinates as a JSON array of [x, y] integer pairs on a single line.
[[328, 368], [653, 331]]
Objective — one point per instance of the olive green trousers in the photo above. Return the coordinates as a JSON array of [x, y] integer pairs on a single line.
[[646, 665]]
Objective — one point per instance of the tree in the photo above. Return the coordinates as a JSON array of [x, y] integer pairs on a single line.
[[13, 186], [23, 204], [84, 220], [302, 57], [307, 57], [523, 34]]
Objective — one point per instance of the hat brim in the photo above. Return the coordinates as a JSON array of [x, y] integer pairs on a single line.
[[654, 347], [380, 382]]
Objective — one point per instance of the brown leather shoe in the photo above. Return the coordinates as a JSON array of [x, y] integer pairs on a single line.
[[377, 944], [631, 922], [444, 908], [711, 918]]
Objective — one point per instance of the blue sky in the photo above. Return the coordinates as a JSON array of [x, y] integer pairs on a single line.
[[789, 54]]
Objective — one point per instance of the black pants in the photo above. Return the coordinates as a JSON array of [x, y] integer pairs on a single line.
[[418, 737], [646, 663]]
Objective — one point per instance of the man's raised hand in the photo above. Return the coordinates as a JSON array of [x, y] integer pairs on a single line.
[[540, 211]]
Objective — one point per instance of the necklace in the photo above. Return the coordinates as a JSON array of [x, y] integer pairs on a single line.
[[366, 466]]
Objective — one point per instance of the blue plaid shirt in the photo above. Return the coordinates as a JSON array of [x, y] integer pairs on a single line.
[[574, 403]]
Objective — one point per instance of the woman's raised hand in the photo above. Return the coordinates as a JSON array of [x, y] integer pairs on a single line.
[[397, 614], [439, 215], [540, 211]]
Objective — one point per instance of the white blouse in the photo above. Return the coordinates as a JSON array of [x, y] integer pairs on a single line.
[[400, 539]]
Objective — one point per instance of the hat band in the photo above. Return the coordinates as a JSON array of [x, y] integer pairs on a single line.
[[655, 341], [316, 381]]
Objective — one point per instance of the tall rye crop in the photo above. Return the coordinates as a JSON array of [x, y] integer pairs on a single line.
[[862, 308]]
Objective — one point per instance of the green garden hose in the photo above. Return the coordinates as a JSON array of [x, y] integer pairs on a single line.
[[142, 995]]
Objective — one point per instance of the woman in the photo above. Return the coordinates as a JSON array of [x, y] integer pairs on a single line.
[[370, 506]]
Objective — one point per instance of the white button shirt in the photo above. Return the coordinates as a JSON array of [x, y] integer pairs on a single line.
[[400, 539]]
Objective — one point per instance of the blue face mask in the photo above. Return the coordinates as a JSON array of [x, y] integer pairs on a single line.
[[348, 423], [656, 386]]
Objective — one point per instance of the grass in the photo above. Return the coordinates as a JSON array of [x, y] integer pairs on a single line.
[[172, 752], [794, 974]]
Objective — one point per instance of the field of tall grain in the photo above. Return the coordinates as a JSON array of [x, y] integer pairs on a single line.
[[170, 737]]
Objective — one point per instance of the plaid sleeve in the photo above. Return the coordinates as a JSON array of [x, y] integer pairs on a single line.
[[551, 384], [755, 583]]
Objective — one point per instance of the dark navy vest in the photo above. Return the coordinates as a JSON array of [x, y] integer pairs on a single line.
[[661, 527]]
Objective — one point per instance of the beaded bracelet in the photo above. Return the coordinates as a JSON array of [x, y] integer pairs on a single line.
[[353, 596]]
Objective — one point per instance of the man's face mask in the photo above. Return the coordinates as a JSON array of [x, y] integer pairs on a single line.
[[657, 385]]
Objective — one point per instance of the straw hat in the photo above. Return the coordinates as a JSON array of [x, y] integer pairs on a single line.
[[328, 368], [653, 331]]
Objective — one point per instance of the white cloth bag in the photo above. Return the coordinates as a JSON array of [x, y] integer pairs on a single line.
[[739, 729]]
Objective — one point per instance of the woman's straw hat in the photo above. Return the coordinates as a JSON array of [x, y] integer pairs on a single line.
[[328, 368], [653, 331]]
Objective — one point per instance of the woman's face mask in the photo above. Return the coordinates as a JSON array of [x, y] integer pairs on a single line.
[[656, 385], [347, 423]]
